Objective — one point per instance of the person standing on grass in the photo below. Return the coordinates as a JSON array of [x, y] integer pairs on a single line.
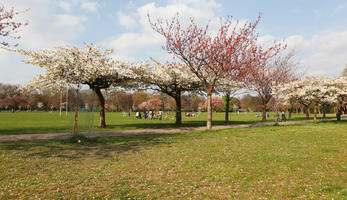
[[166, 116], [160, 115], [283, 116], [129, 113]]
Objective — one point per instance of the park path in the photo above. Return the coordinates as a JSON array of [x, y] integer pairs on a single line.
[[144, 131]]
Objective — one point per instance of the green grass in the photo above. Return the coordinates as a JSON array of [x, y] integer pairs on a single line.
[[52, 122], [281, 162]]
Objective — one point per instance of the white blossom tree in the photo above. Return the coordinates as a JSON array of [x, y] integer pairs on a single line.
[[310, 91], [341, 84], [90, 66], [172, 81]]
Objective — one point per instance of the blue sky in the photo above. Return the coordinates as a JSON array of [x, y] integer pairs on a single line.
[[317, 30]]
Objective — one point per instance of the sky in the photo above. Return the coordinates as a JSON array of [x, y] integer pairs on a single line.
[[315, 29]]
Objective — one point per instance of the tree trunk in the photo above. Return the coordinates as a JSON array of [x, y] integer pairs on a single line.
[[178, 108], [163, 103], [338, 113], [67, 100], [209, 109], [315, 113], [307, 112], [227, 99], [61, 101], [75, 122], [324, 110], [102, 121], [264, 113], [290, 110], [277, 116]]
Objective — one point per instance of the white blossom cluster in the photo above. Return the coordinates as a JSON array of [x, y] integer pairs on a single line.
[[310, 90], [44, 82], [164, 75], [341, 83], [74, 66], [228, 87]]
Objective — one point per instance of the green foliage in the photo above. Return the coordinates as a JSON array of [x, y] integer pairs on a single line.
[[225, 103]]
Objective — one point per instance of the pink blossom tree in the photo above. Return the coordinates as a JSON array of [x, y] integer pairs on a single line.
[[154, 104], [210, 57], [143, 106], [268, 72], [217, 102]]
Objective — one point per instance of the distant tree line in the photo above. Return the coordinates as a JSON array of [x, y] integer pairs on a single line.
[[15, 98]]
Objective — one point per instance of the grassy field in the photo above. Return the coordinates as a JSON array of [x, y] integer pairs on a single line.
[[52, 122], [281, 162]]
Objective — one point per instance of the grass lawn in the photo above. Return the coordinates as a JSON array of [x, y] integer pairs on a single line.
[[51, 122], [305, 161]]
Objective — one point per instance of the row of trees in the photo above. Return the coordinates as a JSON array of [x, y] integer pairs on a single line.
[[314, 92], [14, 97], [210, 62]]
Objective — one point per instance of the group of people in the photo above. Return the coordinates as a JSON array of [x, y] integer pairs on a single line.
[[261, 116], [189, 114], [283, 116], [149, 115]]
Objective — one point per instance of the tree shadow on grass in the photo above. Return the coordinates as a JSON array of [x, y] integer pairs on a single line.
[[124, 126], [99, 147], [33, 130], [188, 124]]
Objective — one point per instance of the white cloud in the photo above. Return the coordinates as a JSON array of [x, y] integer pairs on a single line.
[[130, 5], [339, 9], [128, 42], [90, 6], [69, 21], [126, 21], [201, 10], [267, 40], [46, 29], [65, 6], [147, 42], [323, 54]]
